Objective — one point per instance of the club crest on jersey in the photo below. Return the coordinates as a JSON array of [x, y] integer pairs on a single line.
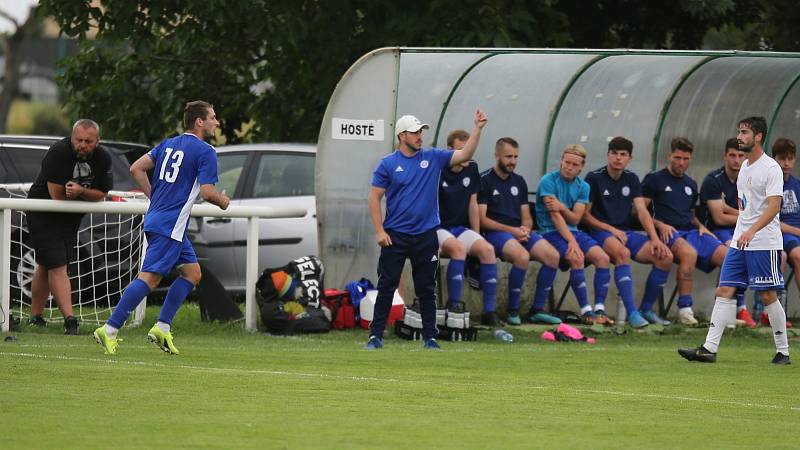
[[514, 191], [424, 163], [688, 190], [466, 182], [626, 191]]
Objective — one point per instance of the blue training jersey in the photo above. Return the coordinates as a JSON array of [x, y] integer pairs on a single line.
[[411, 184], [612, 200], [674, 198], [455, 190], [790, 208], [716, 185], [503, 198], [182, 164], [567, 192]]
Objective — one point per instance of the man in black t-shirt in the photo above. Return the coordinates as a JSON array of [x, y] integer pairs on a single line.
[[74, 168]]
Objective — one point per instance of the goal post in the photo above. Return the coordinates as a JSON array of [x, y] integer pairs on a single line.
[[252, 213]]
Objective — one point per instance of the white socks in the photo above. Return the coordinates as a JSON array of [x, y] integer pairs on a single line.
[[777, 319], [163, 326], [723, 314], [112, 332]]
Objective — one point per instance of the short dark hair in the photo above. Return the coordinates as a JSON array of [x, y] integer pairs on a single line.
[[732, 143], [620, 143], [757, 124], [505, 140], [454, 135], [783, 147], [681, 143], [197, 109]]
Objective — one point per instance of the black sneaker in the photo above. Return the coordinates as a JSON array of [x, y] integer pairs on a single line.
[[492, 319], [71, 326], [781, 359], [37, 321], [699, 354]]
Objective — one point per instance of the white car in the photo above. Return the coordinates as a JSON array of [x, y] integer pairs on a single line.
[[277, 175]]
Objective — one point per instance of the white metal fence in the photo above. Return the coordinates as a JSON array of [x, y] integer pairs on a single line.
[[252, 213]]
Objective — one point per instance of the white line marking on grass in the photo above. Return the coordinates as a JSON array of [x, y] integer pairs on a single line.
[[395, 380]]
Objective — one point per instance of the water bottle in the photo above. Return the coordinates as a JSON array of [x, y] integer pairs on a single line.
[[622, 315], [503, 335], [758, 307]]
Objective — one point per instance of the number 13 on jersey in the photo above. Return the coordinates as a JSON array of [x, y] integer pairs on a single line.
[[174, 159]]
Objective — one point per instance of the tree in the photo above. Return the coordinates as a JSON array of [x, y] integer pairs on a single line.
[[10, 44]]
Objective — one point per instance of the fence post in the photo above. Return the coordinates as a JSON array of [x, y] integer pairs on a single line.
[[251, 274], [5, 270]]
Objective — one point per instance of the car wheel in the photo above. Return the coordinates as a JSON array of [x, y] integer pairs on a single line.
[[23, 265]]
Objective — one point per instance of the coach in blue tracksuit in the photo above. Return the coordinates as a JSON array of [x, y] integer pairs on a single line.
[[183, 166], [409, 177]]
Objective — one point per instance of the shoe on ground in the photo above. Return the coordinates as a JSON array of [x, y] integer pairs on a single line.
[[636, 320], [374, 343], [744, 316], [109, 344], [513, 317], [601, 318], [686, 317], [492, 319], [699, 354], [765, 320], [654, 318], [588, 318], [781, 359], [71, 326], [162, 340], [431, 344], [543, 317], [38, 321]]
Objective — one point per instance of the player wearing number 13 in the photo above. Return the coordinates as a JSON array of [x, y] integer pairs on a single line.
[[183, 166]]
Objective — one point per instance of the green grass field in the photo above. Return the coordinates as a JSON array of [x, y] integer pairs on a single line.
[[231, 389]]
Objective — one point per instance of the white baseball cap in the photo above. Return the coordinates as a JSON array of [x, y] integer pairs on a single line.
[[409, 123]]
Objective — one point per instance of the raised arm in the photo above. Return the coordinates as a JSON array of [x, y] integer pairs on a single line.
[[465, 154]]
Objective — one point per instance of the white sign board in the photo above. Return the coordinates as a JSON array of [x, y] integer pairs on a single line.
[[357, 130]]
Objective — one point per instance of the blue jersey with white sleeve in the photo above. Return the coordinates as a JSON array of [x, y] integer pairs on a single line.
[[612, 200], [674, 198], [503, 198], [412, 187], [455, 190], [182, 164], [790, 205], [567, 192]]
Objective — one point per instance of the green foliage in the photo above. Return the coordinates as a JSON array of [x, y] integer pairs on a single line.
[[270, 66], [232, 389]]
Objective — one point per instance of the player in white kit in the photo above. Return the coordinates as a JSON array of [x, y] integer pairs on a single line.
[[754, 257]]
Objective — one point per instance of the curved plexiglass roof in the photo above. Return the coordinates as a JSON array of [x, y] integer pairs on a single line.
[[546, 99]]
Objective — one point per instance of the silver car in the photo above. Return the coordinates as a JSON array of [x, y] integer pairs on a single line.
[[278, 175]]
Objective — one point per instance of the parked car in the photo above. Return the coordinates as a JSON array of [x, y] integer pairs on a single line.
[[100, 255], [277, 175]]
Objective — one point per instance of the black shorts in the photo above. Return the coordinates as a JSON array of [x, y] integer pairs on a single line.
[[54, 248]]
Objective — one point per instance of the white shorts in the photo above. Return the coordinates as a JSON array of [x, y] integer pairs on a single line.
[[464, 235]]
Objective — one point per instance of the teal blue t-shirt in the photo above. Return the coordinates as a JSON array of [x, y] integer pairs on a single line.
[[567, 192]]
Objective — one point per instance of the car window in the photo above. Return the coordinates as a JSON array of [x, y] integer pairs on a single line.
[[123, 181], [28, 161], [229, 169], [284, 175], [5, 177]]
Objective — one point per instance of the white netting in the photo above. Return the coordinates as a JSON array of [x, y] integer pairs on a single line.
[[104, 261]]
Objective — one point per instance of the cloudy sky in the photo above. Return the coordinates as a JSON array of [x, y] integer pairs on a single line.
[[17, 8]]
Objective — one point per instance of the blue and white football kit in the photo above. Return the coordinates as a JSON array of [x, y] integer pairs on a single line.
[[411, 185], [790, 212], [455, 192], [717, 186], [181, 165], [504, 199], [612, 203]]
